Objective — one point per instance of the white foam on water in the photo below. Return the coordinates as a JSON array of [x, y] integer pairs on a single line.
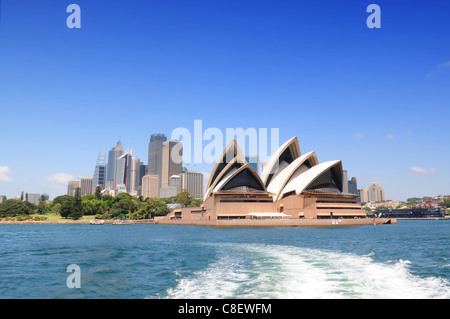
[[219, 280], [272, 271]]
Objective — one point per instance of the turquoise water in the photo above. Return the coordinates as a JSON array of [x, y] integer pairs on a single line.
[[408, 260]]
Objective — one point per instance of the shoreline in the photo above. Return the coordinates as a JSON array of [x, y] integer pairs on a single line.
[[222, 223], [228, 223], [281, 222], [74, 222]]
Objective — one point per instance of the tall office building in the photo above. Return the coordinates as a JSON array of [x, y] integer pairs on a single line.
[[171, 161], [111, 168], [167, 192], [86, 185], [150, 186], [155, 150], [363, 195], [344, 181], [72, 185], [175, 181], [134, 186], [99, 177], [123, 171], [353, 188], [193, 182], [142, 172], [34, 198], [375, 193]]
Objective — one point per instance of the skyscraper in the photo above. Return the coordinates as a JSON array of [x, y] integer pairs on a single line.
[[134, 186], [155, 150], [123, 171], [344, 181], [375, 193], [353, 188], [193, 182], [72, 185], [175, 181], [86, 185], [363, 195], [171, 161], [34, 198], [111, 169], [99, 177], [150, 186]]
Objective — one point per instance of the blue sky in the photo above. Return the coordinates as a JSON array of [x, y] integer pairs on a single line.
[[377, 99]]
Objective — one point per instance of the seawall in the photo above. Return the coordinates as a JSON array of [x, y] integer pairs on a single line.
[[279, 222]]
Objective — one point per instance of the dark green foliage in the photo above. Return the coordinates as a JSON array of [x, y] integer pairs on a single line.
[[14, 207]]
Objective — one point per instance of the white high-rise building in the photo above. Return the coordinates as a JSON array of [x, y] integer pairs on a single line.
[[363, 195], [375, 193], [175, 181]]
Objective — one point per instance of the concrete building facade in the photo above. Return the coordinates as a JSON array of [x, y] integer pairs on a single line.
[[375, 193], [150, 186], [193, 182], [172, 155]]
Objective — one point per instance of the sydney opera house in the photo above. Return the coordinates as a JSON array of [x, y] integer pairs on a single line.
[[292, 186]]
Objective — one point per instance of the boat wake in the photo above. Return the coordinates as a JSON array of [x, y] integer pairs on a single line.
[[272, 271]]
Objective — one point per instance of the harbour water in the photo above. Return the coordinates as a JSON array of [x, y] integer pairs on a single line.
[[410, 259]]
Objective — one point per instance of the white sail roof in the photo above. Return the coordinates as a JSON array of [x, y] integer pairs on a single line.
[[299, 182], [280, 180], [275, 164]]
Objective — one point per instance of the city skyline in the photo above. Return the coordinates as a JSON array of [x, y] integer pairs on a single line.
[[374, 98]]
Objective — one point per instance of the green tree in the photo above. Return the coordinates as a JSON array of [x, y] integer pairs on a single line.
[[447, 203], [151, 208], [42, 207], [61, 199], [124, 205], [93, 206], [14, 207], [186, 199], [88, 197], [66, 207], [55, 208], [77, 208], [98, 192]]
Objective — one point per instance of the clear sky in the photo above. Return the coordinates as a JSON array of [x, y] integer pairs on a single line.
[[377, 99]]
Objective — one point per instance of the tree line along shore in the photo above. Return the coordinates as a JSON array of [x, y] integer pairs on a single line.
[[77, 208]]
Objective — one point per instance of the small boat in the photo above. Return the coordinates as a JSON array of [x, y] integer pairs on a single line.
[[97, 222]]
